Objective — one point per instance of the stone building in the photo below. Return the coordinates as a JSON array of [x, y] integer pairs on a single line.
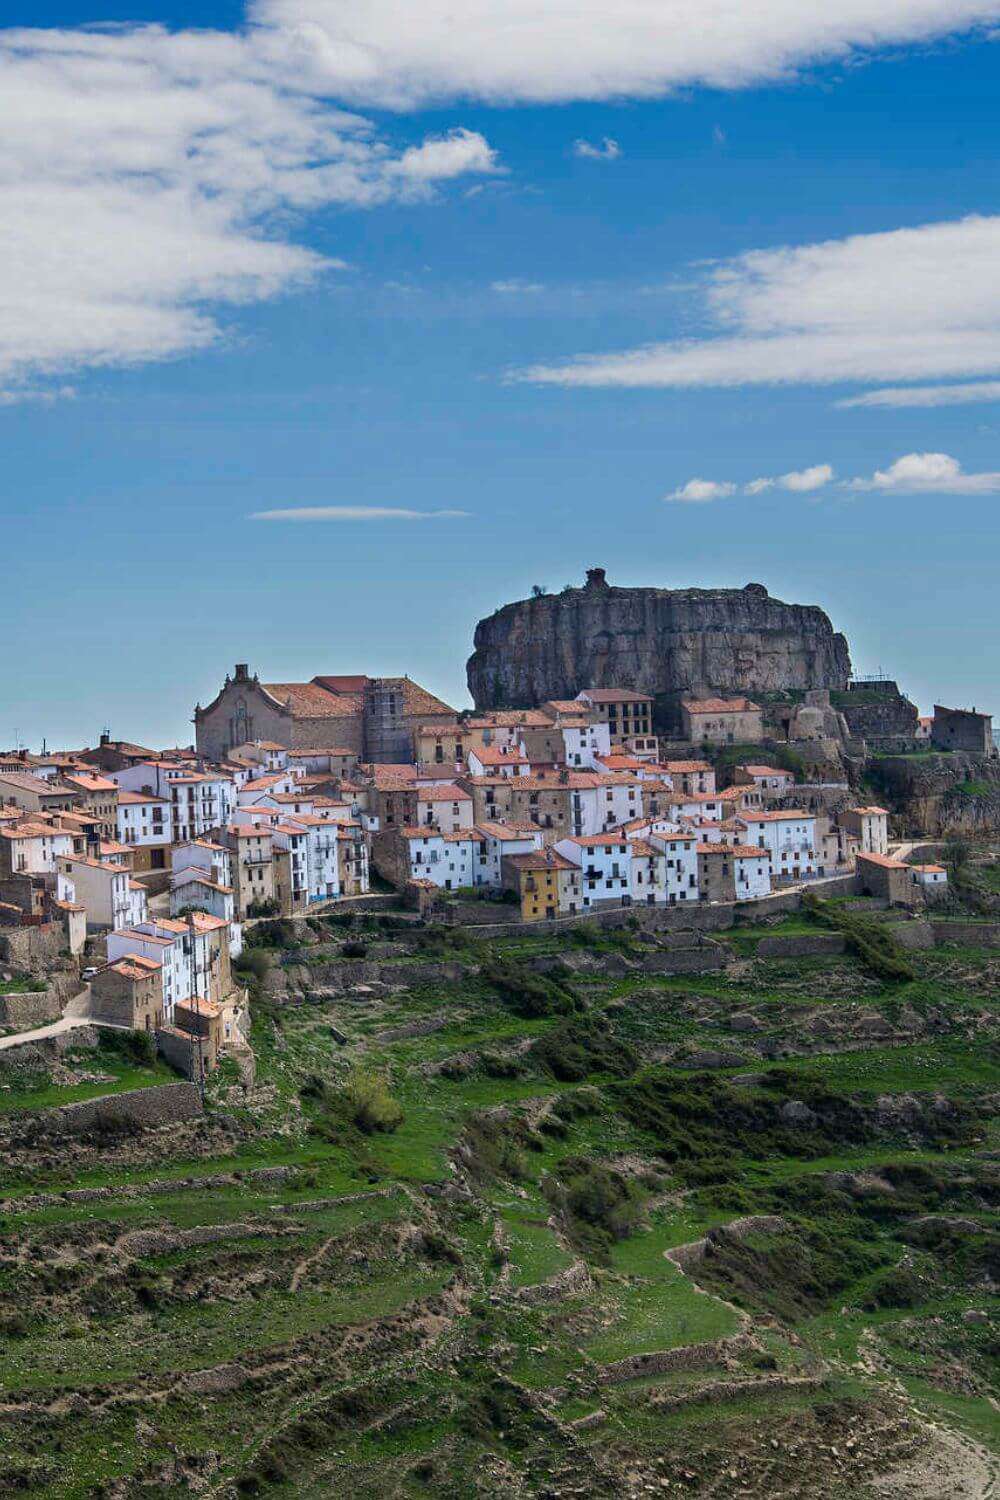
[[129, 992], [889, 879], [721, 721], [626, 711], [372, 718], [962, 729], [546, 882]]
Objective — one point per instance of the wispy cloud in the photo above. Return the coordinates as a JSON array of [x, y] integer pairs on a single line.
[[354, 513], [927, 395], [608, 150], [936, 473], [515, 287], [904, 305]]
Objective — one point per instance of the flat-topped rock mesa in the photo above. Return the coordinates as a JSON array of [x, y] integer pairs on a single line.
[[663, 642]]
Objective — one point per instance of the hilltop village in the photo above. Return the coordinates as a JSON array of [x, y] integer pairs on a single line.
[[144, 865]]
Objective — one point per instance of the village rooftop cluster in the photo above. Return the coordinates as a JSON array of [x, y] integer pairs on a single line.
[[151, 861]]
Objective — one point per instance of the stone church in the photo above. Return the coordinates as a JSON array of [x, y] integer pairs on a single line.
[[371, 717]]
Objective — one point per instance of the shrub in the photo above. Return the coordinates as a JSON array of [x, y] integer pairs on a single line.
[[530, 995], [253, 961], [602, 1205], [137, 1047], [574, 1049], [371, 1105], [354, 948]]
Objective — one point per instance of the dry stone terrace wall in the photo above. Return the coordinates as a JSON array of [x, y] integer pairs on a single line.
[[32, 947], [21, 1012], [146, 1109]]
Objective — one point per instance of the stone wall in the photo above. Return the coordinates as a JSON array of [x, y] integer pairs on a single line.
[[146, 1109], [970, 934], [24, 1011], [805, 946], [31, 948]]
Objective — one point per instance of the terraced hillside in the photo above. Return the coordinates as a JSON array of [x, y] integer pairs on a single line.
[[591, 1214]]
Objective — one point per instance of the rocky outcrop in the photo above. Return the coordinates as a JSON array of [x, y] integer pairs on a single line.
[[942, 795], [878, 711], [663, 642]]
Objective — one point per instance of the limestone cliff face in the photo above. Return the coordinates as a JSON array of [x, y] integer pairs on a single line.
[[942, 795], [661, 641]]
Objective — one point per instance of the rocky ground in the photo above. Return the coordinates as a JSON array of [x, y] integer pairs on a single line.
[[589, 1214]]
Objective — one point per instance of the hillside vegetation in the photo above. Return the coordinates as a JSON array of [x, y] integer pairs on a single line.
[[526, 1218]]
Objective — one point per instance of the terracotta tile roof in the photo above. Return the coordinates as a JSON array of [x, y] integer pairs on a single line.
[[28, 830], [133, 799], [767, 771], [144, 937], [89, 781], [249, 830], [264, 783], [496, 755], [869, 812], [506, 831], [541, 859], [326, 750], [621, 762], [640, 846], [447, 793], [615, 695], [308, 700], [593, 840], [673, 837], [681, 767], [133, 966], [790, 814], [738, 851], [886, 861], [930, 869], [25, 782], [199, 1006], [510, 718], [194, 876], [720, 705]]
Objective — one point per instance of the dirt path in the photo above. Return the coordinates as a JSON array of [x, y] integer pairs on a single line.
[[953, 1466]]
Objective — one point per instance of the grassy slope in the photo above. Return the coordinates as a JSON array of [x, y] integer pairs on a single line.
[[434, 1422]]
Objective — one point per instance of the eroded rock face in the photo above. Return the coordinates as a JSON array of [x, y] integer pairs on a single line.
[[955, 794], [661, 641]]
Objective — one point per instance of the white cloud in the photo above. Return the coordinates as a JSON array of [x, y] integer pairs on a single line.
[[700, 491], [937, 473], [452, 155], [397, 53], [927, 395], [905, 305], [353, 513], [758, 486], [803, 481], [515, 287], [147, 175], [608, 150]]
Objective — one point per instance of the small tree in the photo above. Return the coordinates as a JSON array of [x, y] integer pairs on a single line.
[[538, 590], [956, 854]]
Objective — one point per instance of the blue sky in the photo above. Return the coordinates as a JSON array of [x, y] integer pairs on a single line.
[[183, 349]]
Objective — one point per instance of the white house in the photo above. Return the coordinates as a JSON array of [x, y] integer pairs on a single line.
[[497, 840], [870, 826], [789, 838], [602, 801], [32, 848], [204, 856], [680, 853], [604, 860], [647, 873], [192, 888], [697, 806], [322, 855], [447, 807], [102, 889], [498, 760], [198, 801], [930, 877], [584, 742], [144, 818], [768, 778], [445, 859]]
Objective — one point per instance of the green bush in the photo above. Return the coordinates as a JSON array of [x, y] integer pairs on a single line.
[[136, 1047], [354, 948], [369, 1102], [530, 995], [600, 1204], [255, 962], [574, 1049]]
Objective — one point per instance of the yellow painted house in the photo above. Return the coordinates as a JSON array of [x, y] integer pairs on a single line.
[[547, 883]]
